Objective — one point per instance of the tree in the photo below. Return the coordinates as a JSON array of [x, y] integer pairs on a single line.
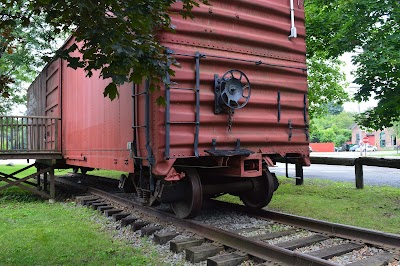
[[371, 27], [334, 108], [332, 128], [378, 73], [326, 85], [113, 36], [22, 44], [326, 81]]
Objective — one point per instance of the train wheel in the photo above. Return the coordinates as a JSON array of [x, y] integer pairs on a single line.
[[261, 194], [193, 198], [75, 170]]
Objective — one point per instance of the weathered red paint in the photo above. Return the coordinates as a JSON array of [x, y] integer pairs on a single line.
[[95, 130], [244, 30], [173, 175]]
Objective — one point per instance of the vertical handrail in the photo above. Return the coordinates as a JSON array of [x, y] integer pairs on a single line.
[[6, 131], [1, 135], [197, 112], [167, 115]]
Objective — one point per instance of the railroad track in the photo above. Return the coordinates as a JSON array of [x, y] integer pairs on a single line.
[[276, 239]]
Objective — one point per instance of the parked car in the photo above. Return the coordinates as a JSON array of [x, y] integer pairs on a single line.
[[353, 148], [337, 149], [349, 147], [346, 146], [369, 148]]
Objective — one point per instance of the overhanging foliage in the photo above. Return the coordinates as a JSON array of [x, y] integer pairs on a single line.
[[113, 37], [371, 27]]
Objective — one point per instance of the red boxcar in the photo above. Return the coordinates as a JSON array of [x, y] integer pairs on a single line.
[[237, 103]]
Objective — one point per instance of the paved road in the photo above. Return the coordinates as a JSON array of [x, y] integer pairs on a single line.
[[372, 175], [349, 154]]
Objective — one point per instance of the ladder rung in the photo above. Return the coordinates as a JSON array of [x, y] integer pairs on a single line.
[[138, 157], [195, 123], [138, 94], [184, 89], [138, 126]]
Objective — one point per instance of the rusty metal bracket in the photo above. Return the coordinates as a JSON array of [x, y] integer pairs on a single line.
[[305, 108], [217, 106], [290, 129], [238, 144], [299, 172], [227, 153], [307, 132]]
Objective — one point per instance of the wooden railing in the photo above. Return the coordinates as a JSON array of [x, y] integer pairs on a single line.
[[29, 134], [358, 164]]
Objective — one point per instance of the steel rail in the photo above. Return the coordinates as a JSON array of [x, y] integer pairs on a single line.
[[255, 248], [382, 239], [373, 237]]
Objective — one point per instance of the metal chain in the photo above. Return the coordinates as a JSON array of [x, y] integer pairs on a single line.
[[230, 120]]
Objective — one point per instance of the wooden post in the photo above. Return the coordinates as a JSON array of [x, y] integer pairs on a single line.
[[45, 183], [299, 174], [359, 174], [38, 181], [52, 186]]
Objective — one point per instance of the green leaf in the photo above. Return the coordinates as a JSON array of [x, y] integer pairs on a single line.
[[115, 37], [371, 29], [161, 101], [111, 91]]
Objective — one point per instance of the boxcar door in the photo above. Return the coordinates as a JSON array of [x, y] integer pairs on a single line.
[[53, 106]]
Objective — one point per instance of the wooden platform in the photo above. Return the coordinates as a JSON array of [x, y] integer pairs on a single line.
[[30, 155], [31, 137]]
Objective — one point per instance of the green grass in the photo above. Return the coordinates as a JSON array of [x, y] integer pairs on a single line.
[[38, 233], [373, 207], [15, 192], [34, 232], [386, 155], [10, 169], [99, 172], [58, 172], [106, 173]]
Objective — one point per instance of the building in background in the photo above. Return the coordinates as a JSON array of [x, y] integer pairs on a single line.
[[382, 139]]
